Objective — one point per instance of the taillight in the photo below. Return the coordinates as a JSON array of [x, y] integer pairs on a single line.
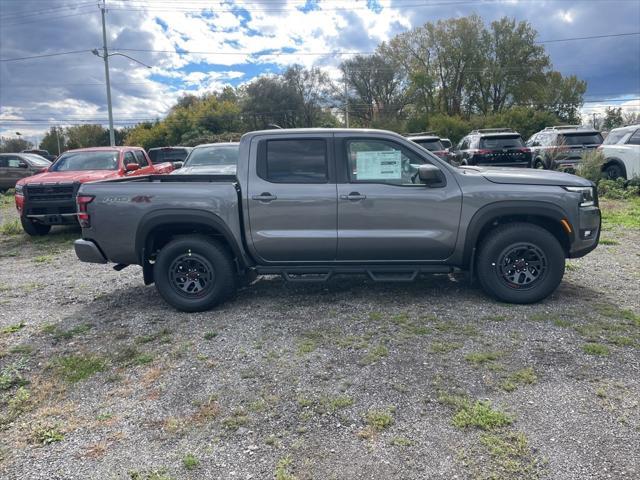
[[82, 201], [482, 152], [525, 150]]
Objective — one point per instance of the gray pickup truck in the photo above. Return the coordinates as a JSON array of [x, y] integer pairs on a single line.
[[312, 203]]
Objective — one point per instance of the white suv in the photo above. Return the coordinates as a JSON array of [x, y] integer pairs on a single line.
[[621, 150]]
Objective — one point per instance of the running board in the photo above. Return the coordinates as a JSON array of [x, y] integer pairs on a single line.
[[377, 273]]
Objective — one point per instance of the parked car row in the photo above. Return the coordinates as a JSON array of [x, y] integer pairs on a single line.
[[559, 147]]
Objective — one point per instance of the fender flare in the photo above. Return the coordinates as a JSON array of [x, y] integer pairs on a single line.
[[492, 211], [171, 216]]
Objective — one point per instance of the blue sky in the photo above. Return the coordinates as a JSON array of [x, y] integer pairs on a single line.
[[233, 41]]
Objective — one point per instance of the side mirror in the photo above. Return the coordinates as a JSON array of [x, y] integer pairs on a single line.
[[131, 167], [177, 165], [23, 164], [430, 175]]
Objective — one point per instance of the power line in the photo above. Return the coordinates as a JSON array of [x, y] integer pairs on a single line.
[[44, 56]]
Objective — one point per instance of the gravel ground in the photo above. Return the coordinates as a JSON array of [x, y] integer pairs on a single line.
[[99, 379]]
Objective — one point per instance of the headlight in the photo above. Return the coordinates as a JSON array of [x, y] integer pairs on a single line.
[[19, 189], [588, 195]]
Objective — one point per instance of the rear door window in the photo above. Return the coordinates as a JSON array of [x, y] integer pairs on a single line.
[[295, 161], [635, 138]]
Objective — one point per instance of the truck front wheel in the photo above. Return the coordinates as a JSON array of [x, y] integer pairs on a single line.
[[520, 263], [194, 273], [34, 229]]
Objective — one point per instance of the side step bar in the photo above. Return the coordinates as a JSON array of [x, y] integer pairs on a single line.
[[377, 273]]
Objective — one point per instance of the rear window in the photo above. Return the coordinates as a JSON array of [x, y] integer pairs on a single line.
[[587, 138], [431, 145], [511, 141], [295, 161], [175, 155], [214, 155], [616, 136], [86, 161]]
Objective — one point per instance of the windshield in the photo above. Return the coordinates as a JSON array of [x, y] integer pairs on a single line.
[[37, 160], [513, 141], [86, 161], [616, 136], [213, 155], [589, 138], [431, 145]]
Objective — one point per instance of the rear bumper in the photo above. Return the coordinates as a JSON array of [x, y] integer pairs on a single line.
[[88, 251], [587, 232], [55, 218]]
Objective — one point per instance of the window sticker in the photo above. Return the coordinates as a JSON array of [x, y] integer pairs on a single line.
[[382, 165]]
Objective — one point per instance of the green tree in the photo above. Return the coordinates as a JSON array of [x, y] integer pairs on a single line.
[[53, 139], [562, 96], [84, 136], [612, 118], [14, 145]]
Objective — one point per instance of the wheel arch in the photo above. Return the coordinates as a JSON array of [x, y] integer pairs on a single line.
[[615, 161], [159, 227], [545, 215]]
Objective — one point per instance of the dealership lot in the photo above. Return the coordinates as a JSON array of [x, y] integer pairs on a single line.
[[99, 378]]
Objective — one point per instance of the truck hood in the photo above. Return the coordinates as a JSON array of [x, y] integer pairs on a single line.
[[527, 176], [80, 176], [206, 170]]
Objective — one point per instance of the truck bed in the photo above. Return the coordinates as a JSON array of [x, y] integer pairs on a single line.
[[123, 210]]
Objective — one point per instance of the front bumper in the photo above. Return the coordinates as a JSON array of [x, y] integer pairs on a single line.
[[587, 232], [88, 251]]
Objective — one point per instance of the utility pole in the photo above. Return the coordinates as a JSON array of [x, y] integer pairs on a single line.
[[58, 138], [105, 57], [346, 101], [594, 120]]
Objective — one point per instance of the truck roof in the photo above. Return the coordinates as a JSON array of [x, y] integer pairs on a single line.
[[286, 131]]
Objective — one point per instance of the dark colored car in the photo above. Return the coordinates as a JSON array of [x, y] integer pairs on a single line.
[[42, 153], [446, 143], [492, 147], [169, 154], [14, 166], [431, 143], [562, 147]]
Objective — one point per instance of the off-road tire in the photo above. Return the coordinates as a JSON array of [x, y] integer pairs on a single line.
[[613, 171], [492, 255], [195, 250], [34, 229]]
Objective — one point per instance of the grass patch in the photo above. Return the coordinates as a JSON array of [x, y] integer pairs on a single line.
[[495, 318], [210, 335], [164, 336], [401, 442], [156, 474], [444, 347], [43, 259], [283, 469], [374, 354], [608, 241], [47, 434], [130, 356], [560, 322], [72, 332], [510, 456], [11, 376], [379, 420], [480, 415], [524, 376], [237, 419], [11, 227], [595, 349], [190, 461], [620, 213], [74, 368], [16, 327], [480, 358]]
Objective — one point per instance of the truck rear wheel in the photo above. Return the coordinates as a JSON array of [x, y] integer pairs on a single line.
[[520, 263], [194, 273], [33, 228]]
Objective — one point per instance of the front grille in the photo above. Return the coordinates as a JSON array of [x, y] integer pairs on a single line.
[[51, 193]]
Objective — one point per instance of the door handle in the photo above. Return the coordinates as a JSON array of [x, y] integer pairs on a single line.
[[264, 197], [353, 196]]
